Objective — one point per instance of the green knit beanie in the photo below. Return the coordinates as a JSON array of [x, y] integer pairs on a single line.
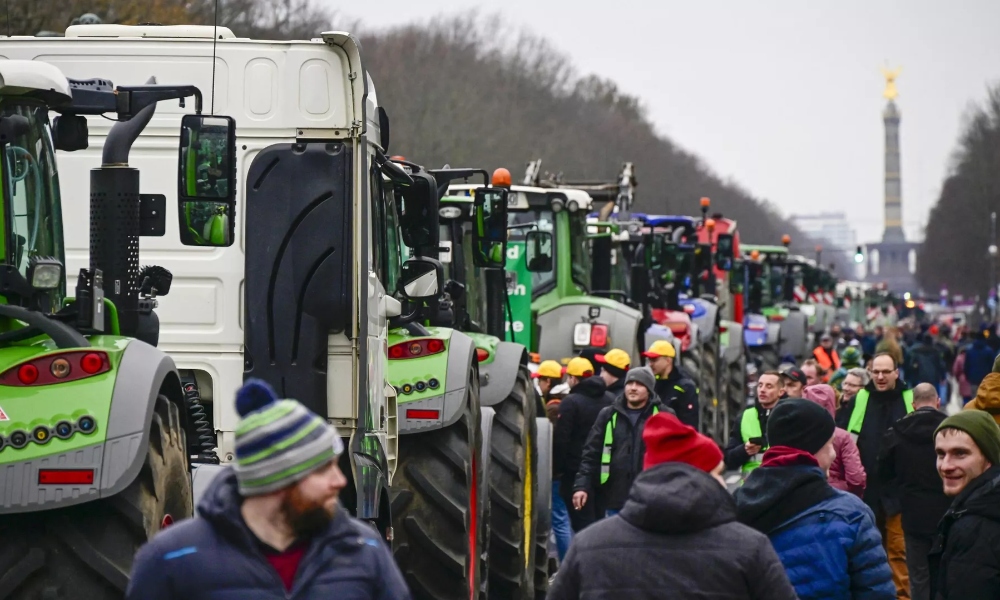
[[996, 364], [981, 428]]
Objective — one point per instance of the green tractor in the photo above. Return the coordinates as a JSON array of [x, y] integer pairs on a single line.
[[775, 327], [462, 328], [96, 435]]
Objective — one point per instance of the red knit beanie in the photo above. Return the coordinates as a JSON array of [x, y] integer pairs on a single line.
[[669, 440]]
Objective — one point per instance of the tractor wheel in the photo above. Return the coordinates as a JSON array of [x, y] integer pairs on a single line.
[[736, 382], [769, 358], [86, 551], [543, 508], [513, 473], [437, 513], [709, 391]]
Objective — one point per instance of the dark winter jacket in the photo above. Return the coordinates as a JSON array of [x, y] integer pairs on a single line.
[[978, 361], [965, 560], [884, 409], [577, 413], [217, 557], [925, 365], [909, 461], [825, 538], [681, 394], [735, 454], [676, 537], [627, 450]]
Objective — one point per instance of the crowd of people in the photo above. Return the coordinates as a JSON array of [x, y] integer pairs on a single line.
[[854, 482]]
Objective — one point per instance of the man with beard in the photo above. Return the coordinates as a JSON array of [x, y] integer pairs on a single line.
[[270, 526]]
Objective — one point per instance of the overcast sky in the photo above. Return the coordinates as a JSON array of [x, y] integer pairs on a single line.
[[782, 96]]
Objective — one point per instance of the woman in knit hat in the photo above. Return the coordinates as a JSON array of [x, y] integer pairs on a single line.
[[676, 536], [270, 526]]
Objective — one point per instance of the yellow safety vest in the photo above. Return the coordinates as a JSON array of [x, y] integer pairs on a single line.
[[608, 439], [861, 405], [750, 428]]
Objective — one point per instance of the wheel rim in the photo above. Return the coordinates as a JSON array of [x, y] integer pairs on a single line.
[[473, 528]]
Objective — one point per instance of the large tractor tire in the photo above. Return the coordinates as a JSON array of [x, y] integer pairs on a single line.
[[512, 479], [543, 507], [768, 357], [710, 392], [437, 512], [86, 551]]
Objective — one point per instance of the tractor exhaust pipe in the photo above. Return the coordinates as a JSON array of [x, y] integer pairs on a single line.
[[114, 219]]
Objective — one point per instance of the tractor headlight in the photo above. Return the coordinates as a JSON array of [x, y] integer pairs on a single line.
[[45, 273], [573, 206], [558, 205]]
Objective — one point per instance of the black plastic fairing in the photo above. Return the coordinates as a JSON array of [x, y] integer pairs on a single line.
[[298, 265]]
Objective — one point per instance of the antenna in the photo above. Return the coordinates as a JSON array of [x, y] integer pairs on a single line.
[[215, 39], [8, 17]]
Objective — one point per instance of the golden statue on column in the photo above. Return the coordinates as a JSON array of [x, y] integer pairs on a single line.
[[890, 92]]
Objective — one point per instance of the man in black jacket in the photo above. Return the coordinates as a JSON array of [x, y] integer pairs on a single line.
[[612, 456], [909, 464], [577, 413], [677, 535], [673, 388], [876, 407], [965, 560]]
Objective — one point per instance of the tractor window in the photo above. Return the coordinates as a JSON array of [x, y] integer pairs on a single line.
[[580, 250], [543, 220], [31, 218]]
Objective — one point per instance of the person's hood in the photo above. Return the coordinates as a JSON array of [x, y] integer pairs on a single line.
[[918, 426], [982, 496], [221, 502], [988, 394], [789, 485], [677, 498], [592, 387], [823, 395]]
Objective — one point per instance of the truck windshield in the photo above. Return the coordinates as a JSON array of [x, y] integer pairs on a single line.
[[31, 219]]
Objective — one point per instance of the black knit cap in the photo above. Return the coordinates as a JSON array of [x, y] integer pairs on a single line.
[[801, 424]]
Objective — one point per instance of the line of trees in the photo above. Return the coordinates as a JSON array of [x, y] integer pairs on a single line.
[[467, 92], [954, 253]]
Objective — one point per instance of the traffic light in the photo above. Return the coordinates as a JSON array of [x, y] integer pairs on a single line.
[[859, 256]]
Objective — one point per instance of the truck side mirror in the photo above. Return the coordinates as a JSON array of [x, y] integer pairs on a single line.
[[206, 191], [724, 251], [420, 278], [538, 251], [489, 230], [418, 212]]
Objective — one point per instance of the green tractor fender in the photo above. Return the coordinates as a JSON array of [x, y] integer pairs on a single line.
[[120, 441], [426, 408], [498, 376]]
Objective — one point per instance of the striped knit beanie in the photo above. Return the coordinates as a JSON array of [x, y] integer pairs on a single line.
[[278, 442]]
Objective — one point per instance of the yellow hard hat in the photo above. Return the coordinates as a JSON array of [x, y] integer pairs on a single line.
[[549, 368], [616, 358], [580, 367], [660, 348]]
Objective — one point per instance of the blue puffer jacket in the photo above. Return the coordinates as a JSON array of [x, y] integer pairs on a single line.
[[825, 538], [216, 557]]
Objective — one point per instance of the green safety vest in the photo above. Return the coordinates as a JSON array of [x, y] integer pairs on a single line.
[[750, 428], [608, 438], [861, 405]]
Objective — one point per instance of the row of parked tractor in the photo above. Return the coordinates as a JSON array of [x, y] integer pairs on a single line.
[[402, 303]]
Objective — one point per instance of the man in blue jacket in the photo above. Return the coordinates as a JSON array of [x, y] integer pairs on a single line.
[[270, 526], [826, 539], [979, 359]]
